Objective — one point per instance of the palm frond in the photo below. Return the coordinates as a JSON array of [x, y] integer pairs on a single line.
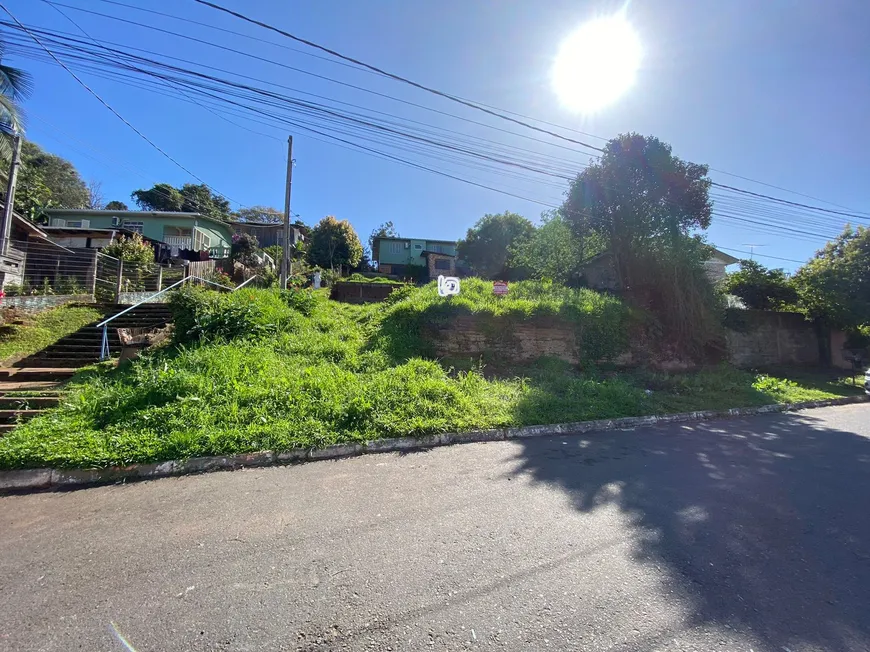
[[14, 82]]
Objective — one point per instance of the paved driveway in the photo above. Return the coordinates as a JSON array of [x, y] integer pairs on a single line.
[[732, 535]]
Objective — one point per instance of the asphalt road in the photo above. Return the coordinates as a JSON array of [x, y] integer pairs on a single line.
[[733, 535]]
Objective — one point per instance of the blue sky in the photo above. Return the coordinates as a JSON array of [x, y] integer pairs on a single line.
[[776, 91]]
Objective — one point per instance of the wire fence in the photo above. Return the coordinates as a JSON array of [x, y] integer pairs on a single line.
[[42, 268]]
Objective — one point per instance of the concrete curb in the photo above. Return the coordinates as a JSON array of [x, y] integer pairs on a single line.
[[36, 479]]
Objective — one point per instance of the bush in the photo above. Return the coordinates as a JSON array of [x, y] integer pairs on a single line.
[[760, 288], [202, 315], [133, 249]]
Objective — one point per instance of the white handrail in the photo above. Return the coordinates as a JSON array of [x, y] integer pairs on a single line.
[[244, 283], [104, 349]]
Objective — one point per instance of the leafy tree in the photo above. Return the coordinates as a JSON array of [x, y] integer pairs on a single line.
[[759, 287], [133, 249], [639, 192], [553, 251], [31, 195], [243, 248], [385, 230], [190, 198], [265, 214], [487, 245], [160, 197], [116, 205], [835, 284], [334, 243], [48, 180], [15, 85]]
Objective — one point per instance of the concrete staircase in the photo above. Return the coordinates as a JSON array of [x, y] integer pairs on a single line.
[[33, 384]]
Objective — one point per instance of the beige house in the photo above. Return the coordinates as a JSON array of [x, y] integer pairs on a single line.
[[600, 272]]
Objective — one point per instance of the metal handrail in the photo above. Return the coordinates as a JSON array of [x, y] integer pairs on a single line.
[[104, 348], [244, 283]]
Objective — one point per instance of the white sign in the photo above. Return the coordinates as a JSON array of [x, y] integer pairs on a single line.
[[500, 288], [447, 286]]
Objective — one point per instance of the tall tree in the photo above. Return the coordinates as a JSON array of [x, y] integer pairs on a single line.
[[835, 284], [334, 243], [190, 198], [385, 230], [759, 287], [487, 245], [265, 214], [638, 193], [553, 251], [47, 180], [15, 85], [116, 205], [96, 199]]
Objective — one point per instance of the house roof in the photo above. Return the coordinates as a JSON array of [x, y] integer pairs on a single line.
[[437, 253], [451, 242], [720, 255], [84, 212], [728, 259]]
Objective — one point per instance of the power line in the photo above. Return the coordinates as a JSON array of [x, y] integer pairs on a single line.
[[398, 78], [393, 136], [106, 104]]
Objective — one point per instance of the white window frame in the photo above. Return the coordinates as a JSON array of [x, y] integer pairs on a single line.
[[395, 247], [134, 226]]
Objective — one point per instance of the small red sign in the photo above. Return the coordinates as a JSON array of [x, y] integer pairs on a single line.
[[499, 287]]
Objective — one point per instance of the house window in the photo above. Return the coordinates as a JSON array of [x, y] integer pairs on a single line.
[[442, 263], [134, 226], [395, 247], [418, 246]]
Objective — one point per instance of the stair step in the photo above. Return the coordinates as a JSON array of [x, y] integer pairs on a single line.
[[57, 362], [33, 387], [19, 374], [27, 402], [15, 416], [6, 427]]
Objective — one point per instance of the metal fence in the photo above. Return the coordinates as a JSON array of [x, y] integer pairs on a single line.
[[44, 268]]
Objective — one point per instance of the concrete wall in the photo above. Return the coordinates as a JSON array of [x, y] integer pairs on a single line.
[[361, 292], [42, 302], [761, 338], [471, 336]]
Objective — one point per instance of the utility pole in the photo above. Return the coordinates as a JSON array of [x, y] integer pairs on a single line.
[[6, 224], [285, 255]]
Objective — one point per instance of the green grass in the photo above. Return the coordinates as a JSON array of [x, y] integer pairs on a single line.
[[321, 372], [44, 329]]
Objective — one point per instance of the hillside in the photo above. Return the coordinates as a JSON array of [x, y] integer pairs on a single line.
[[261, 369]]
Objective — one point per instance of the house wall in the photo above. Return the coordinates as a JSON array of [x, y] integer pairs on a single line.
[[447, 264], [153, 226], [410, 255], [393, 252], [218, 234]]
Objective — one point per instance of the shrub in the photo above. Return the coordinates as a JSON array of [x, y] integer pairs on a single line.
[[202, 315], [133, 249]]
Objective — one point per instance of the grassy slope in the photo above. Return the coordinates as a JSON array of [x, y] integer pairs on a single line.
[[46, 328], [333, 376]]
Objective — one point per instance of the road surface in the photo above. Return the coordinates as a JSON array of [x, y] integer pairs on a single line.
[[732, 535]]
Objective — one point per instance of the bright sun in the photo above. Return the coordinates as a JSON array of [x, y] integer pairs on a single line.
[[596, 64]]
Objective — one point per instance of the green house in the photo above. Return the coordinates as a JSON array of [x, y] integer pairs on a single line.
[[395, 255], [178, 230]]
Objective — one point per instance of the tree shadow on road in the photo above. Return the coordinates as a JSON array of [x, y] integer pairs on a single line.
[[764, 522]]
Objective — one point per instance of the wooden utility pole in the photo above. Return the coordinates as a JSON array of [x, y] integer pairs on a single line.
[[6, 223], [285, 254]]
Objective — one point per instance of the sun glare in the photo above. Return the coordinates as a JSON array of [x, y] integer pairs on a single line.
[[596, 64]]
